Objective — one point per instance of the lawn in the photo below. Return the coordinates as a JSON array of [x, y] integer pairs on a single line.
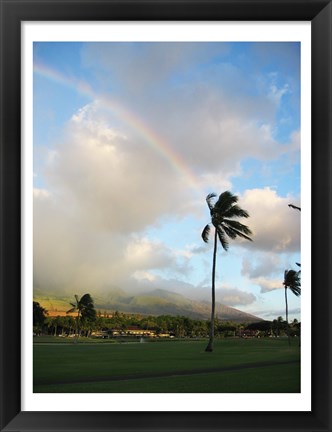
[[235, 366]]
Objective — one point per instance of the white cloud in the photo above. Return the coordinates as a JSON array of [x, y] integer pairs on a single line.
[[267, 285], [142, 275], [215, 134], [111, 181], [41, 193], [261, 264], [143, 253], [71, 253], [275, 227], [234, 297]]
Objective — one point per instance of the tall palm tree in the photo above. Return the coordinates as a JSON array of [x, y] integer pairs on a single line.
[[85, 309], [223, 212], [292, 281]]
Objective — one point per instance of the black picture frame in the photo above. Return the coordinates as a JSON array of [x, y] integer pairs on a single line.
[[13, 12]]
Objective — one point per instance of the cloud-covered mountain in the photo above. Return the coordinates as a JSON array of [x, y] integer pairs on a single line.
[[157, 302]]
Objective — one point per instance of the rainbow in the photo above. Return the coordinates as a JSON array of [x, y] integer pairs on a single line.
[[154, 140]]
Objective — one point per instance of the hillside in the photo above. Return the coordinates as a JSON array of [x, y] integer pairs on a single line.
[[157, 302]]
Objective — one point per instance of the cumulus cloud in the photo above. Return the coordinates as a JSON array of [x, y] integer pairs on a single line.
[[275, 228], [262, 264], [267, 285], [206, 114], [234, 297], [41, 193], [217, 133], [143, 253], [68, 255], [71, 255], [109, 180]]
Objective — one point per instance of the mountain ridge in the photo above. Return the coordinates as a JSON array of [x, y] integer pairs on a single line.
[[155, 302]]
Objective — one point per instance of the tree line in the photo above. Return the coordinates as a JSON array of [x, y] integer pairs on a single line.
[[177, 326]]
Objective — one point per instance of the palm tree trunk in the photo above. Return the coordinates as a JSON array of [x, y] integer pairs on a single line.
[[77, 330], [287, 327], [209, 347]]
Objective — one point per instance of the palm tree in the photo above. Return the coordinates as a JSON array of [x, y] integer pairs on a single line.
[[223, 212], [85, 309], [292, 281]]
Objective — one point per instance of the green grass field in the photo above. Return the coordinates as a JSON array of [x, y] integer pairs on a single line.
[[235, 366]]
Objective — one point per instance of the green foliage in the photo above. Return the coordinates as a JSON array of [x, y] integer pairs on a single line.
[[223, 212], [292, 280], [86, 313], [263, 326], [84, 307], [39, 315], [177, 326]]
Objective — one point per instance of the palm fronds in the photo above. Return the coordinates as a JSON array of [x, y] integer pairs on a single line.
[[209, 199], [223, 212], [292, 280], [206, 233]]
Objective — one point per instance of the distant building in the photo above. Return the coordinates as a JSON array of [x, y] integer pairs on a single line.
[[136, 331], [99, 334], [132, 331], [248, 333], [164, 335]]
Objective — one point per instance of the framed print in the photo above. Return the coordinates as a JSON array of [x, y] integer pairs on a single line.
[[151, 151]]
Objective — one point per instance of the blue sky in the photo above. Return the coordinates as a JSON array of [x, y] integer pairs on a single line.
[[129, 138]]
